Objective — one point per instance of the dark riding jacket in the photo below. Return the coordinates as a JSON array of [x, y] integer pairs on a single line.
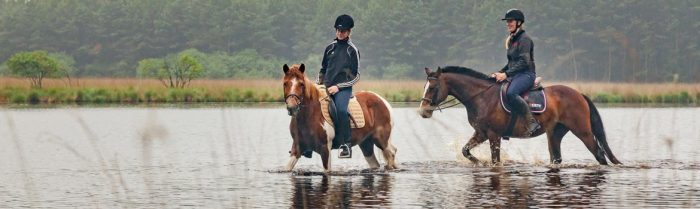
[[521, 57], [340, 65]]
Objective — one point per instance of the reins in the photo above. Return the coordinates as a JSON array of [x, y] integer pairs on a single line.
[[441, 106]]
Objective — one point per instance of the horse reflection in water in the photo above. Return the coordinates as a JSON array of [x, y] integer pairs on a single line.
[[326, 192], [511, 189], [497, 187], [586, 189]]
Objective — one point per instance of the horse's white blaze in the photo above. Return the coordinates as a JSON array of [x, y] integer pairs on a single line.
[[291, 163], [425, 91], [330, 134], [294, 82]]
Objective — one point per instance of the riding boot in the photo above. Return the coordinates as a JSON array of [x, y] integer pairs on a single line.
[[345, 148], [523, 109]]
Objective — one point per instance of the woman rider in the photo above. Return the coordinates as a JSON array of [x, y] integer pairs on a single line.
[[520, 69], [339, 72]]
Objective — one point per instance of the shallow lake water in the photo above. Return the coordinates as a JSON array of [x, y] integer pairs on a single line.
[[214, 157]]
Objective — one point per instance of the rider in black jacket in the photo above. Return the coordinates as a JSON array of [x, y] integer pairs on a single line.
[[520, 69], [339, 72]]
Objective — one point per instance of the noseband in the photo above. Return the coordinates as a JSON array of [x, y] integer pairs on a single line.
[[300, 99]]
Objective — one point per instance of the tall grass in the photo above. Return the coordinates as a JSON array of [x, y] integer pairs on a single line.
[[130, 91]]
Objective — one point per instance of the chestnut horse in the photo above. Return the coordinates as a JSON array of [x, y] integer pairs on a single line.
[[567, 110], [311, 133]]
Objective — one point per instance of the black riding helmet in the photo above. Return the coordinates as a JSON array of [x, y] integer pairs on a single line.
[[344, 22], [515, 14]]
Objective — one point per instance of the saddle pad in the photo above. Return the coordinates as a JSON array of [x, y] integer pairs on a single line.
[[357, 117], [535, 98]]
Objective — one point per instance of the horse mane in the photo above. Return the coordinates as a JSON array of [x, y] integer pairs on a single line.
[[311, 89], [468, 72]]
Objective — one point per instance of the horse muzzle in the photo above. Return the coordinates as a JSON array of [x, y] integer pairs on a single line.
[[426, 112], [293, 103], [293, 110]]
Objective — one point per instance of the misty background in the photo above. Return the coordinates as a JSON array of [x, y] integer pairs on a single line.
[[586, 40]]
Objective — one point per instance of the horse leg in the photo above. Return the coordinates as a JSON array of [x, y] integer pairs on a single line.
[[582, 130], [390, 156], [294, 153], [367, 147], [382, 139], [473, 142], [554, 137], [294, 156], [326, 157], [495, 142]]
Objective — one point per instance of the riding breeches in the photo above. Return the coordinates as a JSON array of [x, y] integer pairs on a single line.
[[519, 83], [342, 122]]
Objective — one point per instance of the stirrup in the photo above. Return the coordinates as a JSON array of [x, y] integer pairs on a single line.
[[348, 148]]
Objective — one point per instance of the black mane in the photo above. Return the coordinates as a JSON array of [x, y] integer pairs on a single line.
[[467, 71]]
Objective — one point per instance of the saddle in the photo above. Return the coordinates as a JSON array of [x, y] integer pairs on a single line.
[[535, 97], [357, 117]]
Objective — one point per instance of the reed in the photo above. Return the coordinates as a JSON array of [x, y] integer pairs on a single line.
[[132, 90]]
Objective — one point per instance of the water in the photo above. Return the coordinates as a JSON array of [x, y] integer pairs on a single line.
[[232, 157]]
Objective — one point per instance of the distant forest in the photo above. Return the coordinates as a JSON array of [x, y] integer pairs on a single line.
[[585, 40]]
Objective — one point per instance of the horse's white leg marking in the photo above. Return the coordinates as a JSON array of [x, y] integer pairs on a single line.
[[372, 161], [390, 156], [330, 134], [291, 163]]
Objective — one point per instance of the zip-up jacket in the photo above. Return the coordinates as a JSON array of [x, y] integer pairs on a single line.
[[340, 65], [520, 52]]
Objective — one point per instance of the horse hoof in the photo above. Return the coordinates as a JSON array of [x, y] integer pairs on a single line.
[[556, 161]]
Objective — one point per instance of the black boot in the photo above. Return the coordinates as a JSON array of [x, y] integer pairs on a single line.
[[520, 105], [344, 134], [345, 151]]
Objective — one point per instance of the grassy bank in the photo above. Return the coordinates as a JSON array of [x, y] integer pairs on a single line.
[[131, 91]]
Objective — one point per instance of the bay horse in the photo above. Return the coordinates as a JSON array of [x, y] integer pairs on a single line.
[[567, 110], [310, 132]]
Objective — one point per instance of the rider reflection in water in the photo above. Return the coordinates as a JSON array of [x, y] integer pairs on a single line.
[[339, 72]]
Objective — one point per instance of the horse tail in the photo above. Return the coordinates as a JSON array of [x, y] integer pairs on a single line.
[[599, 131]]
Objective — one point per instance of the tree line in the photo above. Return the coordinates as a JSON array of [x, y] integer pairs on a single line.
[[592, 40]]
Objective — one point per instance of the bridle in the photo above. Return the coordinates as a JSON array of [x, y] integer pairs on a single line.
[[299, 98], [441, 105], [433, 101]]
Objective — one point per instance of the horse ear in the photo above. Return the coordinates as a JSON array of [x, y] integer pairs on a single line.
[[428, 71], [439, 71], [302, 68], [285, 68]]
